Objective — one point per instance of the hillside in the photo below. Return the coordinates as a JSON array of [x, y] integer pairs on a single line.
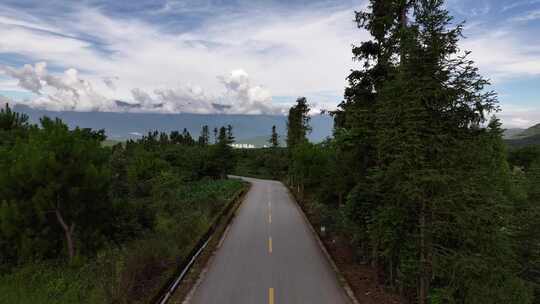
[[511, 133], [532, 131], [527, 137]]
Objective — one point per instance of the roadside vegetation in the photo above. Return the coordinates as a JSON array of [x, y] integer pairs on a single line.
[[417, 178], [84, 223]]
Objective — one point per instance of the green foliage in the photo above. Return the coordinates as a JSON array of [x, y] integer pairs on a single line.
[[12, 125], [50, 181], [430, 198], [523, 157], [274, 138], [125, 215], [298, 123], [268, 163]]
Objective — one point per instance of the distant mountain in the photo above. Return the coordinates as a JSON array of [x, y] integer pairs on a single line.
[[122, 126], [527, 137], [532, 131], [510, 133]]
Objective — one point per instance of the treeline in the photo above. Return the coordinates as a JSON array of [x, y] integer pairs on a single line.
[[417, 176], [80, 222]]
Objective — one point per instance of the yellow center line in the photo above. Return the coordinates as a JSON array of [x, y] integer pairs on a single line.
[[271, 296], [270, 244]]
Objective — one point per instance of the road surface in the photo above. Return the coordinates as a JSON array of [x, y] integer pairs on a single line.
[[269, 255]]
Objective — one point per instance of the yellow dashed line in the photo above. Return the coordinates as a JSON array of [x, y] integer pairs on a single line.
[[271, 296], [270, 244]]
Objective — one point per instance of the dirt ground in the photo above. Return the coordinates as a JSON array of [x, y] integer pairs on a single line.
[[361, 278]]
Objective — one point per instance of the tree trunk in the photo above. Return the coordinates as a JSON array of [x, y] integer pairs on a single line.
[[68, 232], [403, 24]]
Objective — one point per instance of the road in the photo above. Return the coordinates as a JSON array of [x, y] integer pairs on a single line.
[[269, 255]]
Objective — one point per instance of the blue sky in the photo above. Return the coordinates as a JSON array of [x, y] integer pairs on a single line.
[[253, 56]]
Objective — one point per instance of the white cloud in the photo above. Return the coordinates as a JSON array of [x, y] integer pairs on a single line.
[[244, 97], [518, 4], [29, 77], [292, 55], [61, 93], [515, 116], [69, 92], [240, 97], [529, 16], [4, 100], [110, 82], [502, 54]]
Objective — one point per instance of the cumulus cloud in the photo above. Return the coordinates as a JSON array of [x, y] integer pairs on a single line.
[[278, 49], [110, 82], [61, 93], [70, 92], [29, 77], [240, 97], [248, 98]]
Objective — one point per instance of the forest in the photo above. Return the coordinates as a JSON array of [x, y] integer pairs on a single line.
[[417, 177], [85, 223]]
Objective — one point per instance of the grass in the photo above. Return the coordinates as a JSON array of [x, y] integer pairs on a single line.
[[134, 272]]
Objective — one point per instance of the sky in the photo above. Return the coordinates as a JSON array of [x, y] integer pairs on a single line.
[[232, 56]]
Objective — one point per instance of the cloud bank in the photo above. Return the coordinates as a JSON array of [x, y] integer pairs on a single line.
[[69, 92], [158, 67]]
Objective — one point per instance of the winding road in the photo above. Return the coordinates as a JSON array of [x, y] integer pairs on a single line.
[[269, 255]]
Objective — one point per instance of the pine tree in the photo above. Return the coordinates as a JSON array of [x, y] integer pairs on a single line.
[[230, 136], [188, 140], [274, 138], [12, 125], [429, 145], [223, 152], [204, 138], [298, 123]]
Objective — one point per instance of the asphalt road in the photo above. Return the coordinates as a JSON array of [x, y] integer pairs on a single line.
[[269, 255]]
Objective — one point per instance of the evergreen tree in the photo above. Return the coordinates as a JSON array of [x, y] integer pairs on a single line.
[[176, 138], [429, 168], [222, 152], [188, 140], [274, 138], [298, 123], [12, 125], [230, 137], [204, 138]]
